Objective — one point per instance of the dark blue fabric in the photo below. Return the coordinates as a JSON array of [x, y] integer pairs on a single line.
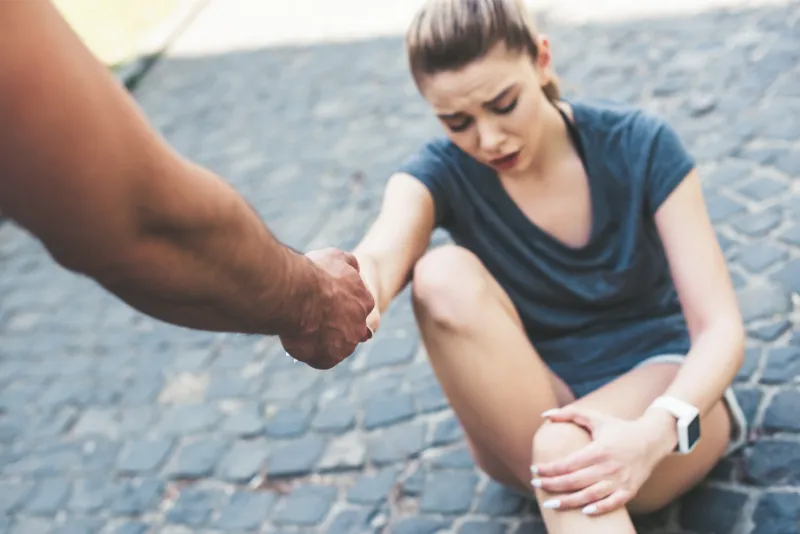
[[592, 312]]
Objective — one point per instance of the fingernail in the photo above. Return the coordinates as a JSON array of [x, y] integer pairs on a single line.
[[589, 509], [548, 413], [552, 503], [534, 470], [536, 483]]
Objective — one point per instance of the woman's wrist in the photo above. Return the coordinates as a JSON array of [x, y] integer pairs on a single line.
[[660, 429]]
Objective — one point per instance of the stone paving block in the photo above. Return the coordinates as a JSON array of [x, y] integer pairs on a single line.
[[447, 431], [305, 506], [531, 526], [789, 276], [288, 422], [387, 409], [770, 331], [783, 364], [388, 351], [132, 527], [497, 500], [396, 444], [781, 414], [352, 521], [195, 507], [143, 456], [763, 302], [418, 525], [482, 527], [712, 510], [80, 526], [459, 458], [776, 513], [91, 494], [343, 453], [448, 492], [245, 423], [245, 511], [197, 459], [335, 417], [189, 419], [243, 461], [48, 497], [373, 488], [137, 497], [774, 462], [296, 458]]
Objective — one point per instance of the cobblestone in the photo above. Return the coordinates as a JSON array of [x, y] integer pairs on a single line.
[[114, 423]]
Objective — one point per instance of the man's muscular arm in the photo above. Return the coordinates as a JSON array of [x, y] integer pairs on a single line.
[[82, 170]]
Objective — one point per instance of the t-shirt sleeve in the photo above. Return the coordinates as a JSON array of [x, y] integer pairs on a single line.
[[429, 165], [666, 160]]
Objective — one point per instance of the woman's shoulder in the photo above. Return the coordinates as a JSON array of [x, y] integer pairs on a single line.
[[617, 121]]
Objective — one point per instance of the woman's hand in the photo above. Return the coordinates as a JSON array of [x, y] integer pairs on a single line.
[[609, 472]]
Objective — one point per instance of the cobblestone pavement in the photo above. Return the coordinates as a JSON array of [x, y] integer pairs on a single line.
[[111, 422]]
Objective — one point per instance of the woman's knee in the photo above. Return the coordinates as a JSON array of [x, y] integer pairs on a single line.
[[449, 287], [553, 441]]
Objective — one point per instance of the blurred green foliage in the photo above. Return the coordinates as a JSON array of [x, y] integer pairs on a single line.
[[115, 29]]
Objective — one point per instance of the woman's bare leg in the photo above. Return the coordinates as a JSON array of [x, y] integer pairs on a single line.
[[498, 386], [493, 378]]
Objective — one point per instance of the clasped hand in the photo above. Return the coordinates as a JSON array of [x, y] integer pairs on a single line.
[[340, 313], [605, 474]]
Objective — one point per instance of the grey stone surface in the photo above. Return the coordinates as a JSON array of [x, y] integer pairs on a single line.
[[107, 416], [197, 459], [195, 507], [144, 456], [448, 493], [245, 511], [296, 458], [306, 505], [373, 488]]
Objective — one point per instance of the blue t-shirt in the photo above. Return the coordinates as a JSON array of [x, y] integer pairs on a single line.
[[591, 312]]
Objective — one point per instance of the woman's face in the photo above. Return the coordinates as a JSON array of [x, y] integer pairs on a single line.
[[493, 108]]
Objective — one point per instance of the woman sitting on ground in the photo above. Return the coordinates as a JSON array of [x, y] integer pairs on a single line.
[[586, 280]]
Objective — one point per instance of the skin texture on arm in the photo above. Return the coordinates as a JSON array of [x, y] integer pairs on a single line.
[[84, 172], [707, 296], [397, 238]]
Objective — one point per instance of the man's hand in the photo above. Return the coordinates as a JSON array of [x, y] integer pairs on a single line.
[[341, 308]]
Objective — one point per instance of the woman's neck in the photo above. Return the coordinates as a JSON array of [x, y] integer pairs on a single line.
[[554, 144]]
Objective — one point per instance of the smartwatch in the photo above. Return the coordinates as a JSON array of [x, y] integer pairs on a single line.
[[687, 420]]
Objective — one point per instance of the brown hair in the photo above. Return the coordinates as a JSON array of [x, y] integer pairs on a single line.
[[449, 34]]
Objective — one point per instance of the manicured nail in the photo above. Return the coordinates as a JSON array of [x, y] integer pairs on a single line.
[[589, 509], [548, 413], [552, 503], [536, 483], [534, 470]]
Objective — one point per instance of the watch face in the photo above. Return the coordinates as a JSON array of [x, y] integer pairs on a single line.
[[693, 432]]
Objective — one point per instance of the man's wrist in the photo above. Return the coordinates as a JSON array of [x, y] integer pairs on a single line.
[[310, 290]]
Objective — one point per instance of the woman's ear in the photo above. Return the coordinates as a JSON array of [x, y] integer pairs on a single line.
[[544, 57]]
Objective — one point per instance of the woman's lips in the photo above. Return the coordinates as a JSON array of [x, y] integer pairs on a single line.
[[506, 162]]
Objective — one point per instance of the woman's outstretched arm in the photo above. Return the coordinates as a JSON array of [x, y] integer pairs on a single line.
[[397, 238]]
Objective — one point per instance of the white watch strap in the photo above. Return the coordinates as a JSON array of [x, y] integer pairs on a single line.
[[675, 406]]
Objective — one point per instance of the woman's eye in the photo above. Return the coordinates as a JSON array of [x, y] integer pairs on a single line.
[[508, 109], [460, 126]]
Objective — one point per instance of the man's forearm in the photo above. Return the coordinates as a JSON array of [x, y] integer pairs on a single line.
[[214, 265], [86, 174]]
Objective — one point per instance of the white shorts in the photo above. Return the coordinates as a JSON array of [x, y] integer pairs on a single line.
[[739, 427]]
